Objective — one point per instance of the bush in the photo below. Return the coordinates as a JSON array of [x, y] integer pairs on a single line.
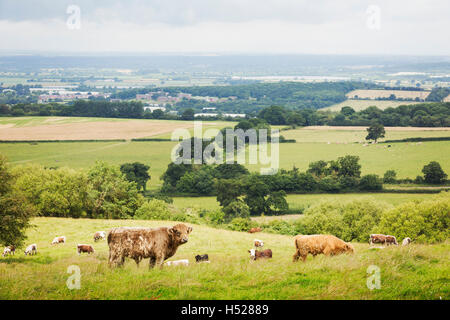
[[424, 222], [390, 176], [280, 227], [371, 182], [215, 217], [434, 173], [348, 183], [154, 210], [236, 209], [350, 221], [419, 180], [241, 224], [329, 184]]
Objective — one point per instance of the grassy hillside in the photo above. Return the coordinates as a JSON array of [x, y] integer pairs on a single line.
[[358, 134], [300, 201], [415, 272], [359, 105]]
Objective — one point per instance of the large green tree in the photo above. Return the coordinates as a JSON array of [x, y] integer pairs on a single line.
[[15, 212], [111, 195], [375, 131], [433, 173], [136, 172]]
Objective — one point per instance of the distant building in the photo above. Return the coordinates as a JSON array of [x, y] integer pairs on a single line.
[[196, 115], [226, 115], [154, 108], [234, 115]]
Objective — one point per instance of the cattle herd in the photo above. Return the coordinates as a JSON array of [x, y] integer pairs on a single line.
[[159, 244]]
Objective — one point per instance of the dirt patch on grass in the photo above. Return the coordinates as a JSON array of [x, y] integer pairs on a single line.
[[101, 130]]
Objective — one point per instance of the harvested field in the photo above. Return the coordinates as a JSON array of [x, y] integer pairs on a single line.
[[400, 94], [102, 129]]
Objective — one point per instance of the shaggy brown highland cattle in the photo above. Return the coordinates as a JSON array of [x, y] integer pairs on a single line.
[[319, 244], [158, 244]]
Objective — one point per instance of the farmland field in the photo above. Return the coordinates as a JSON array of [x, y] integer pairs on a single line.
[[406, 158], [73, 128], [373, 94], [359, 105], [415, 272], [358, 134]]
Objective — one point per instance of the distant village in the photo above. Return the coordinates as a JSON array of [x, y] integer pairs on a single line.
[[152, 101]]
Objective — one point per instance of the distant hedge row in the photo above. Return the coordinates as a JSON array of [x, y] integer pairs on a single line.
[[418, 139]]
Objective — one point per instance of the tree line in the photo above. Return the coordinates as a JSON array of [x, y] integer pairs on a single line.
[[436, 114]]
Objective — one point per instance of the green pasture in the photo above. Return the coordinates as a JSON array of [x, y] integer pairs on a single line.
[[349, 136], [414, 272], [359, 105], [407, 159]]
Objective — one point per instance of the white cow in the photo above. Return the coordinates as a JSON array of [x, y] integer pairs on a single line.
[[31, 249], [6, 252], [58, 240], [99, 235], [406, 241], [183, 262], [258, 243]]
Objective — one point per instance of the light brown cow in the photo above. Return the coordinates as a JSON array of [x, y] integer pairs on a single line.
[[382, 239], [158, 244], [319, 244], [85, 248], [254, 230], [377, 238]]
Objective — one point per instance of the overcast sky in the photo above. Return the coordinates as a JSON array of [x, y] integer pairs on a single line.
[[414, 27]]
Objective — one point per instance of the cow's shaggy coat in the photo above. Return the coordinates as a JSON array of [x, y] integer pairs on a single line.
[[319, 244], [158, 244]]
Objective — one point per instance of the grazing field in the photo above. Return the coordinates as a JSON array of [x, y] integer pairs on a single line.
[[414, 272], [374, 94], [73, 128], [301, 201], [359, 105], [358, 134], [313, 143], [406, 158]]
